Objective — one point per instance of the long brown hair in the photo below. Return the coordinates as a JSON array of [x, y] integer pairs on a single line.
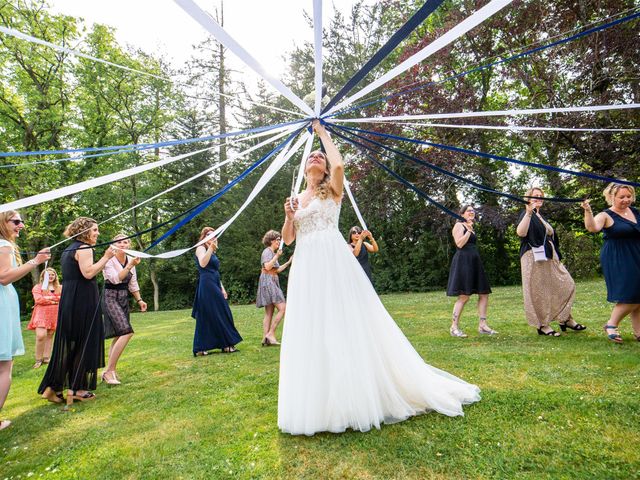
[[204, 232], [5, 234], [80, 228]]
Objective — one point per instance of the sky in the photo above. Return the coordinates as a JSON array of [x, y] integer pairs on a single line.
[[265, 28]]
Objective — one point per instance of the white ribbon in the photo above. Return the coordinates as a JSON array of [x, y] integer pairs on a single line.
[[209, 24], [495, 113], [456, 32], [354, 205], [520, 128], [95, 182], [317, 30], [287, 130], [275, 166], [303, 163]]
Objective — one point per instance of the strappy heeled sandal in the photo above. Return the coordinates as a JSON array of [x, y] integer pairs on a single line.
[[615, 335], [578, 327], [486, 330], [38, 363], [456, 332], [551, 333]]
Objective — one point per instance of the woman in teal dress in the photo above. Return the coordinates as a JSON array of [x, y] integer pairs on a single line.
[[11, 270], [620, 255]]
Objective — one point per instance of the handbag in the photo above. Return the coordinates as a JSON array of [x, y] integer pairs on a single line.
[[539, 254]]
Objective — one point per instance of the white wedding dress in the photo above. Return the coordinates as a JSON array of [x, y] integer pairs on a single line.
[[344, 362]]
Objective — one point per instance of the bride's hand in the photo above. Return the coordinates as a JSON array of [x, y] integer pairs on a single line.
[[290, 212]]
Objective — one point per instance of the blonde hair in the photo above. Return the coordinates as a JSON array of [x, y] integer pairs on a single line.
[[529, 193], [323, 189], [55, 283], [4, 233], [120, 236], [79, 228], [612, 190]]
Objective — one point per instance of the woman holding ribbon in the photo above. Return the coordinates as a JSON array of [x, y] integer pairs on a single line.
[[344, 363], [270, 294], [547, 286], [620, 255], [362, 249], [214, 321], [78, 348], [120, 279], [11, 270]]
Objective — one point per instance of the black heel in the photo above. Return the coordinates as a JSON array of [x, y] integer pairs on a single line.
[[563, 327], [552, 333], [578, 327]]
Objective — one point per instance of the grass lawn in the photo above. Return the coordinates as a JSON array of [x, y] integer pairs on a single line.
[[551, 408]]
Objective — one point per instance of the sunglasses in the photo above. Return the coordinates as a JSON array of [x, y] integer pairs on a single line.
[[17, 222]]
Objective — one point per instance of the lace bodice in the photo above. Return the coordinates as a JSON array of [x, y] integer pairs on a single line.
[[319, 215]]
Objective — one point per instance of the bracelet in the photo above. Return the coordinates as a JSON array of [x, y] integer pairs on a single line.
[[32, 262]]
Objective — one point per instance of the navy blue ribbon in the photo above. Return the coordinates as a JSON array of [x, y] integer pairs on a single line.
[[147, 146], [398, 177], [403, 32], [491, 156], [493, 64], [204, 205]]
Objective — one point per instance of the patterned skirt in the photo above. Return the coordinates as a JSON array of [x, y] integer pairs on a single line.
[[548, 289], [115, 307], [269, 291]]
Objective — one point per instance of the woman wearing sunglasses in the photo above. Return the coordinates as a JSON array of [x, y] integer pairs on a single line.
[[11, 269]]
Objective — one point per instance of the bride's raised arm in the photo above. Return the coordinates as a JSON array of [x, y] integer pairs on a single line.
[[334, 157]]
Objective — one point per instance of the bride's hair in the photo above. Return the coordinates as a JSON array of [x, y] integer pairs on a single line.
[[323, 189]]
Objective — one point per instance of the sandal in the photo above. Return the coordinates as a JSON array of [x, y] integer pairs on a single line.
[[229, 350], [578, 327], [38, 363], [5, 424], [615, 336], [201, 354], [456, 332], [551, 333], [86, 396], [45, 360], [486, 330], [110, 381]]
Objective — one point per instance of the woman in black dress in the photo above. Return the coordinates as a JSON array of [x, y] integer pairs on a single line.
[[620, 255], [78, 348], [214, 321], [467, 276], [362, 249]]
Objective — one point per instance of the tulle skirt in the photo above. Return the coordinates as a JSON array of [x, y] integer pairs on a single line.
[[344, 362]]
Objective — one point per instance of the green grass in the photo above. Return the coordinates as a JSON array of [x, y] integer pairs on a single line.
[[551, 408]]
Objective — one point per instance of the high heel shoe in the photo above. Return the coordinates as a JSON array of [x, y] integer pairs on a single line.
[[577, 327], [456, 332], [110, 381], [551, 333], [486, 330]]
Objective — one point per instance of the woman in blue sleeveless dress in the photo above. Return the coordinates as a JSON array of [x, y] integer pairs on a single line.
[[11, 270], [214, 321], [620, 255], [361, 249]]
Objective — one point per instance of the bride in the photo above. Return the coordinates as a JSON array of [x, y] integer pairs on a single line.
[[344, 362]]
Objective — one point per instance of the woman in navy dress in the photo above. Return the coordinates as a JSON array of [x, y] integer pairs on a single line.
[[362, 249], [467, 276], [214, 322], [620, 255]]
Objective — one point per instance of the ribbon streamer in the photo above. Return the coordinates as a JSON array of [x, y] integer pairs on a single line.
[[184, 182], [456, 32], [403, 32], [209, 24], [497, 157], [517, 128], [347, 188], [493, 64], [317, 37], [488, 113]]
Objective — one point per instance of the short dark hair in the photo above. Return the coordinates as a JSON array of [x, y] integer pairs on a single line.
[[352, 230], [270, 236]]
